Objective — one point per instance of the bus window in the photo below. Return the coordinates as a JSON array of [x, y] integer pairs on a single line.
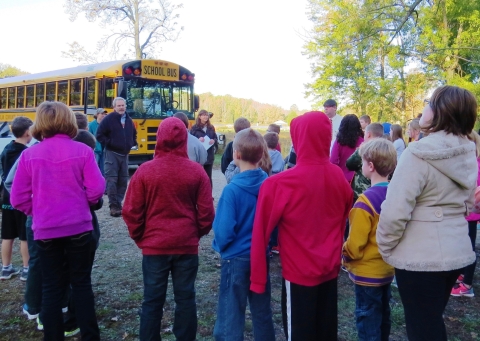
[[11, 98], [3, 98], [30, 96], [62, 93], [92, 83], [51, 88], [40, 97], [20, 96], [76, 92], [109, 93], [157, 99]]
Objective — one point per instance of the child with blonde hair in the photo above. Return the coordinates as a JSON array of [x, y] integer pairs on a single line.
[[365, 266]]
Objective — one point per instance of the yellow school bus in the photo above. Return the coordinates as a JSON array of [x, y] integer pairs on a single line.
[[153, 89]]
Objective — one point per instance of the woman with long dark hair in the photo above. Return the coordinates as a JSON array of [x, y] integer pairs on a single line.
[[349, 137], [396, 135], [200, 130]]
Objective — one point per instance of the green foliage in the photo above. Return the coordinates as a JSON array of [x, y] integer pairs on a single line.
[[382, 57], [227, 109], [7, 70]]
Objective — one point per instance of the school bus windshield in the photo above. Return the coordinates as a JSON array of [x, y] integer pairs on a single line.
[[158, 99]]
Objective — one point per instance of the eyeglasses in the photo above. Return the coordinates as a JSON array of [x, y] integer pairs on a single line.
[[426, 101]]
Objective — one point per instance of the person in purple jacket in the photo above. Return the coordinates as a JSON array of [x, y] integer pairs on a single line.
[[58, 179]]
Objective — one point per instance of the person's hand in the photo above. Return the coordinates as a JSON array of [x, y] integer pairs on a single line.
[[201, 139], [212, 141]]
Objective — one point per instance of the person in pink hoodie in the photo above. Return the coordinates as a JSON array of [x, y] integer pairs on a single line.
[[56, 182], [309, 203], [464, 287]]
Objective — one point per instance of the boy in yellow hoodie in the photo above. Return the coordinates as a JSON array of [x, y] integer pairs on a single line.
[[366, 268]]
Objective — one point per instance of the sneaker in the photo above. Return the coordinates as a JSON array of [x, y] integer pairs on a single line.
[[460, 279], [24, 275], [275, 250], [26, 312], [115, 211], [7, 274], [72, 332], [39, 323], [461, 290]]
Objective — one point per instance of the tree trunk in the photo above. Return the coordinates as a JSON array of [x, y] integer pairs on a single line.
[[136, 31]]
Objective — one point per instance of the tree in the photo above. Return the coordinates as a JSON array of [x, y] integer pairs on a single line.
[[381, 57], [7, 70], [142, 24]]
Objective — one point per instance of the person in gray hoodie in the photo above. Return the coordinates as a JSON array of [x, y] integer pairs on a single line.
[[278, 164], [422, 230], [195, 149]]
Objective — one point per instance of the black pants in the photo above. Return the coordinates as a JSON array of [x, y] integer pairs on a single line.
[[424, 296], [469, 270], [310, 313], [208, 170]]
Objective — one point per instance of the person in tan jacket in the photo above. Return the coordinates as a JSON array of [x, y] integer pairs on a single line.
[[422, 230]]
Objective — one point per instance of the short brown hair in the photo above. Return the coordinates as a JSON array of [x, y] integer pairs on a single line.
[[397, 132], [274, 128], [182, 117], [240, 124], [454, 110], [54, 118], [366, 118], [82, 121], [85, 137], [20, 125], [250, 145], [271, 139], [265, 162], [381, 153], [415, 124], [376, 129]]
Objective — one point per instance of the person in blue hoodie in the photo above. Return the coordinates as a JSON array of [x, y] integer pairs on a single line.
[[233, 227]]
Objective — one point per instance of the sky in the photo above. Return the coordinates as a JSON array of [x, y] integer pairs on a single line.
[[247, 49]]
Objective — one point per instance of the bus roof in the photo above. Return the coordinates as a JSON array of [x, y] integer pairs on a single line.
[[112, 68]]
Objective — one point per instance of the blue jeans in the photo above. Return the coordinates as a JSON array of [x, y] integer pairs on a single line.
[[232, 303], [100, 161], [372, 312], [156, 270], [76, 251], [33, 287]]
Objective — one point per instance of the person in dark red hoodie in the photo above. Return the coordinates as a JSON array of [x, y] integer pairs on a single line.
[[168, 208], [309, 203]]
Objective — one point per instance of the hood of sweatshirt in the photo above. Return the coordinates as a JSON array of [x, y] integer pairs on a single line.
[[12, 151], [451, 155], [171, 138], [250, 181], [311, 136]]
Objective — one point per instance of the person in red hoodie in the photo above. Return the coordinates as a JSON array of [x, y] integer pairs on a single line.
[[309, 203], [168, 208]]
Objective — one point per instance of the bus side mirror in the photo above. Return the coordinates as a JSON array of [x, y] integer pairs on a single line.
[[196, 102], [122, 89]]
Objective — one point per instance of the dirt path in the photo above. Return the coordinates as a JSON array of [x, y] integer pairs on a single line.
[[118, 287]]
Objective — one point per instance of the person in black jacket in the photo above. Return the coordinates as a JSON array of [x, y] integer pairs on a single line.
[[201, 129], [227, 157], [117, 135]]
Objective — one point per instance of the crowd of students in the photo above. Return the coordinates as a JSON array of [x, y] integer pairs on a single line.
[[406, 207]]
